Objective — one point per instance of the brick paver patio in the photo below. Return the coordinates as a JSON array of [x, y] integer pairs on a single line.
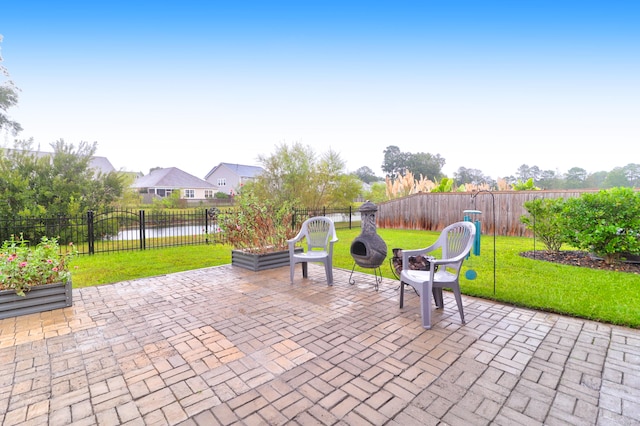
[[227, 346]]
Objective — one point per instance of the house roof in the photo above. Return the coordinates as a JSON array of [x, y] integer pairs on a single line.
[[171, 177], [102, 164], [99, 164], [239, 169]]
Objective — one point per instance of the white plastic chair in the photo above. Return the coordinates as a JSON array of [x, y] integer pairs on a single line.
[[455, 243], [319, 234]]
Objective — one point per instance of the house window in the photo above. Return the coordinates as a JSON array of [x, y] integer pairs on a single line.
[[189, 193], [208, 193], [222, 181]]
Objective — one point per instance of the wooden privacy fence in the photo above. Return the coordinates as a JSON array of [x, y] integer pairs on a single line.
[[433, 211]]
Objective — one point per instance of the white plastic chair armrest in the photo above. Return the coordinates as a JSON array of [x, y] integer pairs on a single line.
[[296, 238]]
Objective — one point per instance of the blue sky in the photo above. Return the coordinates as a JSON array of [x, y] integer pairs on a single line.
[[488, 85]]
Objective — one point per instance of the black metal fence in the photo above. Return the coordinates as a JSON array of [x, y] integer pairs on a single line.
[[124, 230]]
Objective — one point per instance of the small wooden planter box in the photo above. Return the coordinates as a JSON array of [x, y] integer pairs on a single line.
[[39, 299], [260, 262]]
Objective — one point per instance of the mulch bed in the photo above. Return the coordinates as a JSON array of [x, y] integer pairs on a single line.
[[581, 258]]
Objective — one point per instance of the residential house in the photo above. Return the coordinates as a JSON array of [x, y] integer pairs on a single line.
[[98, 164], [230, 178], [163, 182]]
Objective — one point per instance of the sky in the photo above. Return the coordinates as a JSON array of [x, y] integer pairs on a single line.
[[487, 85]]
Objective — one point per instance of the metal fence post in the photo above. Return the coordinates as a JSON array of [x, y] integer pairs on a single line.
[[293, 218], [206, 225], [90, 236], [143, 243]]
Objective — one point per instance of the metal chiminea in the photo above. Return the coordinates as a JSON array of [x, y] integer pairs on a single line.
[[368, 249]]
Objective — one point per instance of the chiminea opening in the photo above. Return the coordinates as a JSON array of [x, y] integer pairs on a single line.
[[368, 249], [358, 248]]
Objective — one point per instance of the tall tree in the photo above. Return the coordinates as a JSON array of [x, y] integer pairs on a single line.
[[367, 175], [632, 172], [397, 163], [535, 173], [286, 172], [294, 174], [377, 193], [549, 179], [473, 176], [616, 178], [525, 173], [595, 180], [427, 165], [61, 183], [8, 98], [575, 178]]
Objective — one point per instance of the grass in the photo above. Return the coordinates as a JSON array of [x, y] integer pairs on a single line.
[[107, 268], [611, 297]]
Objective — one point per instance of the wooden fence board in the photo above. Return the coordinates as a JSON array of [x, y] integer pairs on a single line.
[[434, 211]]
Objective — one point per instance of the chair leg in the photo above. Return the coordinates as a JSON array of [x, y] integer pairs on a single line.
[[456, 293], [292, 270], [437, 297], [305, 272], [425, 304], [329, 272], [401, 294]]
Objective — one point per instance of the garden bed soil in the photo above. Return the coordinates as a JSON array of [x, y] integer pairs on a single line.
[[583, 259]]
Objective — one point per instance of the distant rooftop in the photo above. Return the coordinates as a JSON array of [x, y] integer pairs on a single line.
[[171, 177], [240, 169], [99, 164]]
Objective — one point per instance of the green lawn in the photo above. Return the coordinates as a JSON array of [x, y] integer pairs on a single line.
[[612, 297]]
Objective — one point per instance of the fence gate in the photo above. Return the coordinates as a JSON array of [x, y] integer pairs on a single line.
[[116, 230]]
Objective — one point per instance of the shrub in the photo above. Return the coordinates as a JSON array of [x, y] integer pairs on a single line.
[[257, 226], [23, 267], [525, 186], [544, 220], [606, 223]]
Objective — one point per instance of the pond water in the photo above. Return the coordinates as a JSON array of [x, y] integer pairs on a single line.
[[186, 230], [171, 231]]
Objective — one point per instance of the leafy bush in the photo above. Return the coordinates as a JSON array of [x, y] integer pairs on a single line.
[[62, 183], [445, 185], [257, 226], [23, 267], [606, 223], [525, 186], [544, 220]]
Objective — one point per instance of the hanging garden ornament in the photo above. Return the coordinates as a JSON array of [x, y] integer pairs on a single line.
[[471, 274]]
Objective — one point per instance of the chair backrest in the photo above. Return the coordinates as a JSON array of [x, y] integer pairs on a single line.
[[318, 231], [456, 241]]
